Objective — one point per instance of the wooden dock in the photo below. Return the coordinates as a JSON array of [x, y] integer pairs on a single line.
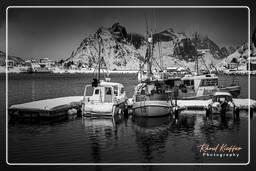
[[48, 108]]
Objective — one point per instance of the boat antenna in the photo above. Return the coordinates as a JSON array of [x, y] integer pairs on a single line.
[[146, 25], [96, 81]]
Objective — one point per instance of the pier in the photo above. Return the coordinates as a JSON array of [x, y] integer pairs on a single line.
[[55, 107]]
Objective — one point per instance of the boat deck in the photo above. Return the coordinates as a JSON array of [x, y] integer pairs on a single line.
[[47, 108]]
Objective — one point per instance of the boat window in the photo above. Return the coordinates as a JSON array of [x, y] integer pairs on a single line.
[[222, 99], [228, 98], [209, 82], [116, 90], [142, 92], [108, 91], [97, 91], [192, 82], [89, 91], [188, 82], [122, 90]]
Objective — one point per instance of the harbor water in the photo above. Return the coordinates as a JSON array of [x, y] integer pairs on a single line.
[[126, 140]]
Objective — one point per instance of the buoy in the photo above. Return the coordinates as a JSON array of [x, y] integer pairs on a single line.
[[207, 113], [236, 114], [79, 112], [72, 111], [251, 112], [176, 113], [126, 113], [113, 110]]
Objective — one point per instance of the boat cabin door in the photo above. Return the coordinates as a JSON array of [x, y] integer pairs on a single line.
[[109, 94], [97, 94]]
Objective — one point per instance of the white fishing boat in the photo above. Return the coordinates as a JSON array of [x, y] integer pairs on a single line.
[[107, 99], [103, 98]]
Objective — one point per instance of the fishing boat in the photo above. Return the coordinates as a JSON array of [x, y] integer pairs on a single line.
[[202, 87], [151, 98], [198, 85], [107, 99], [103, 98]]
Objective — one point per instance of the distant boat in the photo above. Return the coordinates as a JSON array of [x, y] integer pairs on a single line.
[[222, 102], [198, 85], [203, 87]]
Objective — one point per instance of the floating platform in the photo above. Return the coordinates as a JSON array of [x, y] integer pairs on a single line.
[[242, 104], [48, 108]]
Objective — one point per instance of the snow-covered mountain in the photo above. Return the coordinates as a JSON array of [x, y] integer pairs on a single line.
[[117, 52], [239, 56], [125, 51]]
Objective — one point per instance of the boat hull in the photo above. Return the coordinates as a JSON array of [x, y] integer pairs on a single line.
[[234, 90], [103, 109], [151, 108]]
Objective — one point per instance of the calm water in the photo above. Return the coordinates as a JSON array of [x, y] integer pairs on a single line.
[[130, 140]]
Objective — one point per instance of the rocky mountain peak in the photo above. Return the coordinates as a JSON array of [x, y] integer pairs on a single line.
[[125, 51]]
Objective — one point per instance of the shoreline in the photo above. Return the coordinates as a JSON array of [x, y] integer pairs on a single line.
[[17, 70], [120, 72]]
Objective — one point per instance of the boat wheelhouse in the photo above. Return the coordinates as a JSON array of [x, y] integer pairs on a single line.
[[104, 99], [198, 87]]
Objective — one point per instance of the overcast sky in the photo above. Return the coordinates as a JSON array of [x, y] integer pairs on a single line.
[[55, 32]]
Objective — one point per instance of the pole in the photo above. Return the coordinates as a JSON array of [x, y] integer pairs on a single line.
[[99, 58]]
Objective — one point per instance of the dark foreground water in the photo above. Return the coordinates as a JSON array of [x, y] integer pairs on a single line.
[[130, 140]]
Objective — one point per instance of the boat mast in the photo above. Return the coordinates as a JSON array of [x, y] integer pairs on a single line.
[[197, 69], [148, 51], [99, 58]]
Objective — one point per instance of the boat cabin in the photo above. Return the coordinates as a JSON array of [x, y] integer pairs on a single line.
[[105, 92], [194, 82], [221, 97]]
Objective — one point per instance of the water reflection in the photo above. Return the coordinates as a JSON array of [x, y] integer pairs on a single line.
[[151, 136], [102, 134], [42, 121], [154, 135]]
